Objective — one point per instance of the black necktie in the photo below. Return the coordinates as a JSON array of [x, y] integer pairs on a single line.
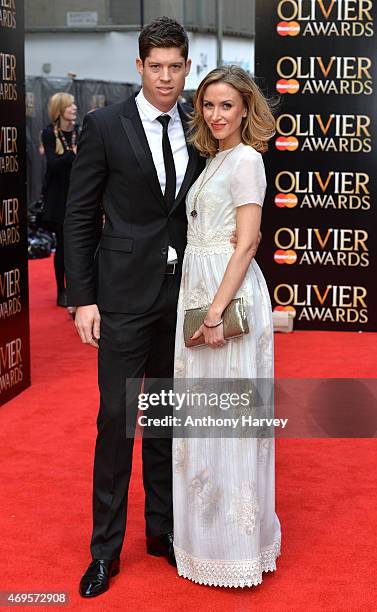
[[170, 184]]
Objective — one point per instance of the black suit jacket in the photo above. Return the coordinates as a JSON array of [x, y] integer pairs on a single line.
[[114, 166]]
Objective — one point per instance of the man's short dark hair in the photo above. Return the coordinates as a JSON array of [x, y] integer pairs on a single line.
[[163, 33]]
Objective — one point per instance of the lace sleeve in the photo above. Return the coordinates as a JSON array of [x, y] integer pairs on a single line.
[[248, 181]]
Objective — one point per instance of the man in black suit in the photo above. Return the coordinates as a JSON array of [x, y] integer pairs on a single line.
[[133, 158]]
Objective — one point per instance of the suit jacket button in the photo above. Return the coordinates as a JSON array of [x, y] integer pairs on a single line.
[[164, 251]]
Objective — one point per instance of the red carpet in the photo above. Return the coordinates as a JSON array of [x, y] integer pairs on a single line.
[[326, 489]]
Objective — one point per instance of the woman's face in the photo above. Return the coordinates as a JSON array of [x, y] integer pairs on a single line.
[[70, 112], [223, 111]]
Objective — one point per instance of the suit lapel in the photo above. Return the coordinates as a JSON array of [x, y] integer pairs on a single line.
[[133, 127]]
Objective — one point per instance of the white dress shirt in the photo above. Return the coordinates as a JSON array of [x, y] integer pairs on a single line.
[[153, 131]]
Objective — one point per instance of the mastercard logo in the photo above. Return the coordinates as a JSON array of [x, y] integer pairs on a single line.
[[286, 200], [284, 143], [290, 309], [285, 257], [288, 28], [290, 86]]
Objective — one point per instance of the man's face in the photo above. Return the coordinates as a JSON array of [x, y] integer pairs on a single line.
[[163, 76]]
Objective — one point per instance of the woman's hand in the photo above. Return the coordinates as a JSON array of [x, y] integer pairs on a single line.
[[213, 336]]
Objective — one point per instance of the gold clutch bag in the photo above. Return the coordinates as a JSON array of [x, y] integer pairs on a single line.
[[234, 317]]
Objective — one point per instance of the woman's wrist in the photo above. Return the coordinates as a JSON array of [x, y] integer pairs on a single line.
[[211, 325], [214, 316]]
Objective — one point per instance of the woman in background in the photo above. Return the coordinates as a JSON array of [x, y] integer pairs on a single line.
[[59, 140]]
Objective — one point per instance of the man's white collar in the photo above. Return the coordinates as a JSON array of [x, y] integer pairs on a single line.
[[150, 111]]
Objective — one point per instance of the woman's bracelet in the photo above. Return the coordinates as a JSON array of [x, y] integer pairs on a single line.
[[212, 326]]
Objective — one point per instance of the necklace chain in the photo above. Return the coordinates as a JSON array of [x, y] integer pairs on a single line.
[[204, 182]]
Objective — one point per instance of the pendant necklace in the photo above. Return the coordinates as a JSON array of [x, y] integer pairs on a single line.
[[64, 140], [204, 182]]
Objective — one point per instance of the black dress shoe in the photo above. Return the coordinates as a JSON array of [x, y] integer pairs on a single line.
[[62, 299], [96, 579], [162, 546]]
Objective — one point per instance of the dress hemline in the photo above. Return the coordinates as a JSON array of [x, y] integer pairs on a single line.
[[232, 574]]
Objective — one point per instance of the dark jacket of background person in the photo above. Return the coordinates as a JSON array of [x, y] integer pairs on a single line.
[[56, 184]]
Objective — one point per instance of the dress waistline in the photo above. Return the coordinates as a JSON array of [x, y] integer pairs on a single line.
[[209, 242]]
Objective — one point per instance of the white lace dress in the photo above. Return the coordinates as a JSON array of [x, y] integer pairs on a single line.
[[226, 532]]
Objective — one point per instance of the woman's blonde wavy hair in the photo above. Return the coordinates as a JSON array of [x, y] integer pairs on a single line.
[[256, 128], [58, 103], [56, 107]]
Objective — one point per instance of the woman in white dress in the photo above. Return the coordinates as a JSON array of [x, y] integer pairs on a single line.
[[226, 532]]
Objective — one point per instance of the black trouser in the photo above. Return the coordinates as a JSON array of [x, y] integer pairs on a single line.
[[59, 258], [131, 346]]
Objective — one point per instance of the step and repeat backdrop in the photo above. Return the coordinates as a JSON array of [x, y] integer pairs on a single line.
[[319, 58], [14, 307]]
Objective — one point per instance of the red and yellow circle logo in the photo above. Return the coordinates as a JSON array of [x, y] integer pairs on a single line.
[[286, 200], [286, 143], [285, 257], [290, 86], [290, 309], [288, 28]]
